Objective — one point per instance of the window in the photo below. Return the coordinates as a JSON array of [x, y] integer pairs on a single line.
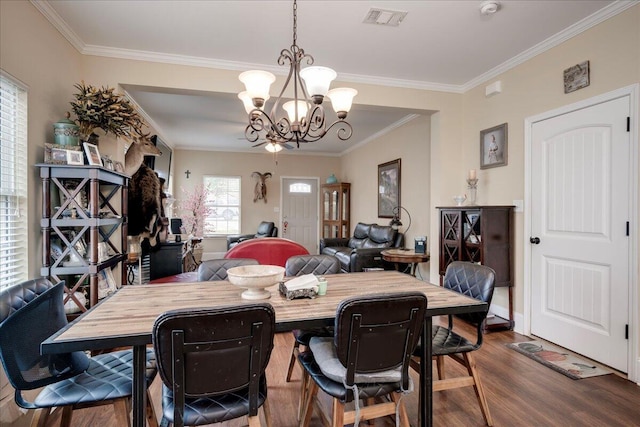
[[299, 187], [13, 182], [224, 205]]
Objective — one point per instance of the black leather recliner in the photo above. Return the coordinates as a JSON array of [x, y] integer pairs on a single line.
[[364, 248], [265, 229]]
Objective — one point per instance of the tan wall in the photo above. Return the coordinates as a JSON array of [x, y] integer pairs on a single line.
[[36, 54], [411, 144], [243, 164], [613, 49]]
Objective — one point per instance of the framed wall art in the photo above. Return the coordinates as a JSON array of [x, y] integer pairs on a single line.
[[576, 77], [493, 147], [388, 188], [93, 155]]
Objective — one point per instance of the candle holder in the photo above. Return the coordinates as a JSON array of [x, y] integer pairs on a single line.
[[472, 186]]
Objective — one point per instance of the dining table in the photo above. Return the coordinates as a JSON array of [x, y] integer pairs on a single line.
[[126, 318]]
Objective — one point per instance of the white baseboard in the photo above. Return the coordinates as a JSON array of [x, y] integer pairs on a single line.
[[518, 318]]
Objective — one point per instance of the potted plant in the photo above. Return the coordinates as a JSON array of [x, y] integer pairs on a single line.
[[104, 109]]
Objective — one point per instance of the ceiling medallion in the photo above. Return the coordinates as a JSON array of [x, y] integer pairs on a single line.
[[305, 118]]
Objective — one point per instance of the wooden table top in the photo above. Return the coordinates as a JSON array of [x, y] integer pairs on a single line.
[[406, 256], [127, 317]]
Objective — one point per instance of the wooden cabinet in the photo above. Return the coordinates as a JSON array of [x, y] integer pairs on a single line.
[[483, 235], [84, 229], [336, 204]]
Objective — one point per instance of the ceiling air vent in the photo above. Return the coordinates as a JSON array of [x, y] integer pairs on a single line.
[[391, 18]]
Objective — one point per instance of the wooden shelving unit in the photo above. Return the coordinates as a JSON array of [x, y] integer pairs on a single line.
[[84, 213]]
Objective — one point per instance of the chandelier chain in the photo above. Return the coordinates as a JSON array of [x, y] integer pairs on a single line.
[[295, 23]]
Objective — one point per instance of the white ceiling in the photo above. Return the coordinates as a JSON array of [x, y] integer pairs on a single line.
[[440, 45]]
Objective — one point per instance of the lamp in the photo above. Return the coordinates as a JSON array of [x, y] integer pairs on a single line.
[[395, 222], [305, 118]]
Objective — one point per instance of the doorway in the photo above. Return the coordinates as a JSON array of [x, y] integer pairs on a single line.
[[299, 219], [579, 251]]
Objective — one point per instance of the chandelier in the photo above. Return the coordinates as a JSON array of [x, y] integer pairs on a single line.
[[305, 116]]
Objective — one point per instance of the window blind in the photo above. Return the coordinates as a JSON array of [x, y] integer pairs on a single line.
[[13, 182]]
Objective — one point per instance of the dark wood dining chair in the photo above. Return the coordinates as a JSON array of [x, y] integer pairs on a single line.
[[212, 363], [297, 266], [31, 312], [475, 281], [368, 358]]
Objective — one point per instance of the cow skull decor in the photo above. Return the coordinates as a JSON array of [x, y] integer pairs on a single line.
[[260, 190]]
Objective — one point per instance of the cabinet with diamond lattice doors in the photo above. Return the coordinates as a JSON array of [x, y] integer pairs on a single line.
[[483, 235]]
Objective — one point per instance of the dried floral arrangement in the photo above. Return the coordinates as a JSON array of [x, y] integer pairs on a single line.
[[195, 209], [105, 109]]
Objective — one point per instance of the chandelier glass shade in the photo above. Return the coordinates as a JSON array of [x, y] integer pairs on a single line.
[[304, 120]]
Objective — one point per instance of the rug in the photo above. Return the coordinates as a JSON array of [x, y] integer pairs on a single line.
[[559, 359]]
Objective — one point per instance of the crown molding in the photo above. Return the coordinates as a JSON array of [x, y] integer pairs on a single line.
[[382, 132], [590, 21], [603, 14]]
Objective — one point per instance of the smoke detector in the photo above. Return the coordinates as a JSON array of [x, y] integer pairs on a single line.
[[489, 7], [391, 18]]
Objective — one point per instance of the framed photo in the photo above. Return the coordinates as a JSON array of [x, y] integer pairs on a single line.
[[75, 157], [388, 188], [493, 147], [93, 155], [57, 154]]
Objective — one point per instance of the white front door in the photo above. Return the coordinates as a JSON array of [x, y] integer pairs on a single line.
[[580, 208], [300, 212]]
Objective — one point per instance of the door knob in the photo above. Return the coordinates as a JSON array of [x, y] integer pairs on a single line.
[[534, 240]]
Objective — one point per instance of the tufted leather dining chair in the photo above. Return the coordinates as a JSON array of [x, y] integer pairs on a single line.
[[297, 266], [212, 363], [31, 312], [351, 366], [475, 281], [216, 269]]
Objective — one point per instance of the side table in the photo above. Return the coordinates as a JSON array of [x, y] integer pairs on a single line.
[[404, 256]]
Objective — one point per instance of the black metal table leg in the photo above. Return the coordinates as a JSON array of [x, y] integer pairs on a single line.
[[139, 385], [426, 376]]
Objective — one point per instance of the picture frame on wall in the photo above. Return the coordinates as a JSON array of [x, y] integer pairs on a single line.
[[93, 154], [388, 188], [493, 147]]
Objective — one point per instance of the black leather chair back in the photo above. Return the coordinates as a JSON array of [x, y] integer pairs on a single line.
[[379, 332], [266, 229], [473, 280], [209, 352], [31, 312], [311, 264], [216, 269]]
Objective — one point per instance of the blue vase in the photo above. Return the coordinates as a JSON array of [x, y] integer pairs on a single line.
[[332, 179]]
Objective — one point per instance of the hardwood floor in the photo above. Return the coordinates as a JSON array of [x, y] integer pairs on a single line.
[[520, 391]]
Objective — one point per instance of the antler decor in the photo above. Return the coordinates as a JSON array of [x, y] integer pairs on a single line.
[[260, 191]]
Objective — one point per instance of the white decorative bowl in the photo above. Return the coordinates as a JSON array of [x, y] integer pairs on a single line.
[[255, 278]]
